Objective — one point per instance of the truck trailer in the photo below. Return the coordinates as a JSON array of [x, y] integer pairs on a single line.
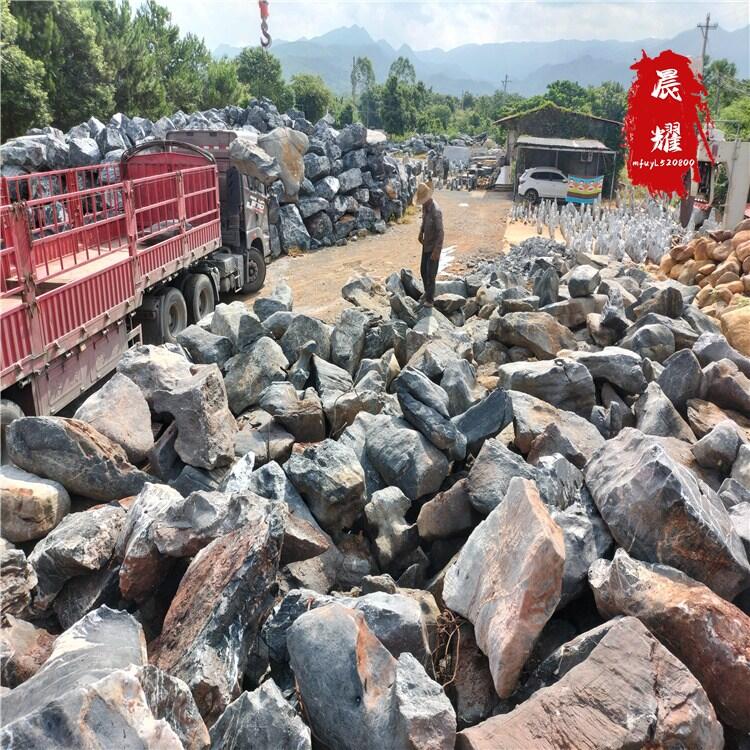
[[97, 259]]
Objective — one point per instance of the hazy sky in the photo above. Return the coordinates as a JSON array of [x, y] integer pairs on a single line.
[[449, 24]]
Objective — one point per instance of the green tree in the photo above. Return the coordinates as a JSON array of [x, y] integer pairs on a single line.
[[608, 100], [403, 70], [370, 104], [63, 36], [21, 82], [720, 79], [568, 94], [182, 60], [311, 95], [398, 112], [362, 79], [261, 71], [137, 77], [222, 86], [735, 118]]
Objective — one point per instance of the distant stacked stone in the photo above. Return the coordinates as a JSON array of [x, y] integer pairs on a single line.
[[334, 185]]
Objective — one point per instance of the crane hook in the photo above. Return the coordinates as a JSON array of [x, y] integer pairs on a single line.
[[265, 37]]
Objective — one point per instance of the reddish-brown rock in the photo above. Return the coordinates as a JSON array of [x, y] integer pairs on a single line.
[[215, 614], [629, 693], [710, 635], [23, 649], [507, 580]]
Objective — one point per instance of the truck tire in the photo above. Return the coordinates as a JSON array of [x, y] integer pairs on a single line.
[[9, 411], [171, 316], [199, 296], [256, 271]]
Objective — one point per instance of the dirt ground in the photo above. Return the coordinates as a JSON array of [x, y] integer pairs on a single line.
[[474, 226]]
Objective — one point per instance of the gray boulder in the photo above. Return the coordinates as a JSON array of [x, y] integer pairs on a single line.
[[404, 458], [656, 415], [287, 146], [711, 347], [74, 454], [249, 373], [237, 323], [657, 509], [331, 480], [316, 167], [205, 426], [491, 475], [82, 543], [153, 368], [292, 230], [583, 281], [301, 416], [205, 347], [620, 367], [350, 180], [348, 339], [259, 721], [327, 188], [681, 378], [302, 329], [484, 419], [215, 616], [252, 160], [562, 382], [119, 411], [17, 580], [460, 383], [399, 705], [718, 449], [441, 432], [84, 152], [385, 514]]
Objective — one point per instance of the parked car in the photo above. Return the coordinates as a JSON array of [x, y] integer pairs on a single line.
[[543, 182]]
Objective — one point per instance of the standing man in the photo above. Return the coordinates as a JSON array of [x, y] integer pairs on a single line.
[[431, 238]]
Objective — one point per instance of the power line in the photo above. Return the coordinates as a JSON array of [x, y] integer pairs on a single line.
[[506, 81]]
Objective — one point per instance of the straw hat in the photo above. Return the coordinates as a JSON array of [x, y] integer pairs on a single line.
[[424, 193]]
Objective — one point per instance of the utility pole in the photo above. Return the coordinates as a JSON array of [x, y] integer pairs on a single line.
[[705, 28], [506, 81]]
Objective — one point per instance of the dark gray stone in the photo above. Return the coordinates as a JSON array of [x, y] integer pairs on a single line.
[[260, 720], [249, 373], [583, 281], [658, 510], [404, 458], [485, 419], [681, 378], [331, 480], [74, 454]]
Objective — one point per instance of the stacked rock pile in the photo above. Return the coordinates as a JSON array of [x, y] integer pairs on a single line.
[[325, 185], [719, 264], [519, 519]]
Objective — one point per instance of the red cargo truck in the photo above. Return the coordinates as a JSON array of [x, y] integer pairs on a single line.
[[97, 259]]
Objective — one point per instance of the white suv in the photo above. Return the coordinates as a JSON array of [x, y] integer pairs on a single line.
[[543, 182]]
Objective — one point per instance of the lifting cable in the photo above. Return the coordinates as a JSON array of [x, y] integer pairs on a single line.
[[265, 37]]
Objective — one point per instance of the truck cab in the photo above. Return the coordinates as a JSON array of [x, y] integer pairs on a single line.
[[244, 206]]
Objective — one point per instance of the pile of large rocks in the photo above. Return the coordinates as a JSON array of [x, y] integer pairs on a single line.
[[519, 519], [325, 185], [719, 264]]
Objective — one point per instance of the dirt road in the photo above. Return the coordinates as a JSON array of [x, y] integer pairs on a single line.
[[474, 224]]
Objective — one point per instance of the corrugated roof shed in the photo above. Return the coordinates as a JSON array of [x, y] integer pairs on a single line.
[[579, 144]]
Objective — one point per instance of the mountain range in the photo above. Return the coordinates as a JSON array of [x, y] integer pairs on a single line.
[[481, 68]]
